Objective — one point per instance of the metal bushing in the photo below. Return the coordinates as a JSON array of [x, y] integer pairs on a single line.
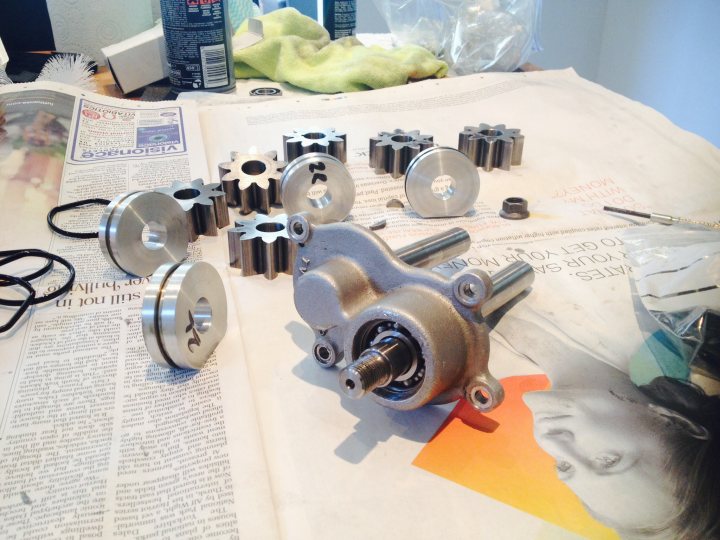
[[205, 206], [392, 152], [307, 141], [492, 146], [514, 208], [184, 314], [441, 182], [142, 230], [320, 185]]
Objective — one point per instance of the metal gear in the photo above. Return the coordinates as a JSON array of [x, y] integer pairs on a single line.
[[251, 182], [205, 206], [305, 141], [492, 146], [262, 246], [392, 152]]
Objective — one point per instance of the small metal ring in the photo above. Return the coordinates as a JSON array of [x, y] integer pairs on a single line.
[[8, 280], [64, 208]]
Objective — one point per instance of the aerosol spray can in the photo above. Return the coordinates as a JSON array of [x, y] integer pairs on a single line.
[[198, 36], [338, 17]]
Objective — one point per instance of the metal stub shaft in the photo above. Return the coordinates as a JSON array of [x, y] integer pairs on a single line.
[[184, 314], [262, 246], [142, 230], [306, 141], [205, 206], [441, 182], [251, 182], [492, 146], [392, 152], [376, 367], [319, 185]]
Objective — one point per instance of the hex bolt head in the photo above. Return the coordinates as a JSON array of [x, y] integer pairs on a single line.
[[514, 208]]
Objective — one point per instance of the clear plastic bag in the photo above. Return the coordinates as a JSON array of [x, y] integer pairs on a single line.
[[676, 277], [471, 36]]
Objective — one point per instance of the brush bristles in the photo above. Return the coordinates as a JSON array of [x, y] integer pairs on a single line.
[[73, 69]]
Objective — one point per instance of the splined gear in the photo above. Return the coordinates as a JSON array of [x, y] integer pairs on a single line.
[[305, 141], [262, 246], [492, 146], [252, 181], [392, 152], [205, 206]]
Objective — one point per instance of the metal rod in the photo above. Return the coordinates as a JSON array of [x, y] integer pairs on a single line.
[[507, 284], [626, 212], [435, 250]]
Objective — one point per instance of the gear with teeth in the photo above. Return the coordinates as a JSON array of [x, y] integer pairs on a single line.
[[262, 246], [492, 146], [252, 181], [392, 152], [205, 206], [306, 141]]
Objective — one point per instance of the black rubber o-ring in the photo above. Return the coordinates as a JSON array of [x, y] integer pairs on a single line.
[[21, 254], [24, 305], [32, 275], [64, 208]]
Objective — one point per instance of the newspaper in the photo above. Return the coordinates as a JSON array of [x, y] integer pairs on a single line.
[[96, 439]]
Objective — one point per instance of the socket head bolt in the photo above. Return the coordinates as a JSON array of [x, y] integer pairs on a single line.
[[441, 182], [492, 146], [392, 151], [319, 185], [184, 314], [307, 141], [514, 208], [142, 230]]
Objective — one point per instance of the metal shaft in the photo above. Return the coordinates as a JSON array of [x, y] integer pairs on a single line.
[[507, 284], [376, 367], [437, 249]]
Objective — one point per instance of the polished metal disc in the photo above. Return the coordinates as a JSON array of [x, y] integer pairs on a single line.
[[320, 185], [442, 182], [141, 230], [184, 314]]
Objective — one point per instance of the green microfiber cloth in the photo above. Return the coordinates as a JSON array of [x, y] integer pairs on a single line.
[[296, 49]]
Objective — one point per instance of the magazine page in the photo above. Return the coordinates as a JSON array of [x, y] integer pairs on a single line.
[[576, 449], [95, 438]]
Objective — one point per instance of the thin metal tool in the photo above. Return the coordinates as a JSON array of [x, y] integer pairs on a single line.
[[663, 219]]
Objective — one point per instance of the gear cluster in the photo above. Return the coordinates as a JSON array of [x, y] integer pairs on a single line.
[[392, 151], [492, 146], [306, 141], [252, 181], [205, 206], [262, 246]]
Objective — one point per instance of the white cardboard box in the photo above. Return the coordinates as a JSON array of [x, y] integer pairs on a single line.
[[139, 60]]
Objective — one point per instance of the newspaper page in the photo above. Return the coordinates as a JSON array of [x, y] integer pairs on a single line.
[[95, 439], [576, 449]]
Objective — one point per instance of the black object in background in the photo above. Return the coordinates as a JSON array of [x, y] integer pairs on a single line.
[[25, 26]]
